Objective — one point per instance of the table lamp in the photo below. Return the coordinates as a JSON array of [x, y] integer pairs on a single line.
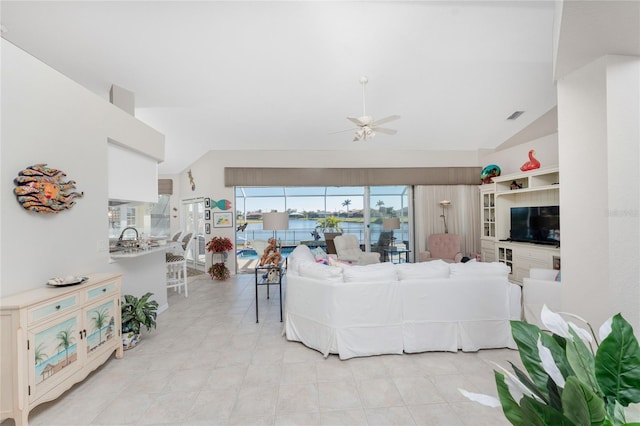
[[275, 221], [390, 224]]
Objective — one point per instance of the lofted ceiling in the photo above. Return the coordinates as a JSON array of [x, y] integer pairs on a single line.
[[284, 75]]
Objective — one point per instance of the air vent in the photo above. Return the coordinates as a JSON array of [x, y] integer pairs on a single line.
[[515, 115]]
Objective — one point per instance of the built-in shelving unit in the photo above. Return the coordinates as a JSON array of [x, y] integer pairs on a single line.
[[540, 187]]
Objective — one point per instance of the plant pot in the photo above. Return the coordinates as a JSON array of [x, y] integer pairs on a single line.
[[328, 239], [130, 340]]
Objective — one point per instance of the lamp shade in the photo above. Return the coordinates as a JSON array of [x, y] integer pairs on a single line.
[[275, 221], [391, 223]]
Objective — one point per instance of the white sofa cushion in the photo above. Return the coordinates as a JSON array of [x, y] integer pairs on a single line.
[[434, 269], [299, 256], [479, 269], [320, 271], [370, 273]]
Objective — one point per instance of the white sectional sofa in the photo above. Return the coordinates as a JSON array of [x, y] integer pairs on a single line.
[[391, 308]]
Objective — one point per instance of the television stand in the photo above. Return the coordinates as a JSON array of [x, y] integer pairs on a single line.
[[521, 257]]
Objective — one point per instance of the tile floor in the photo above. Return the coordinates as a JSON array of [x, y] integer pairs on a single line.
[[209, 363]]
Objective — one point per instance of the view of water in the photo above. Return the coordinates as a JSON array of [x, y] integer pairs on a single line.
[[301, 230]]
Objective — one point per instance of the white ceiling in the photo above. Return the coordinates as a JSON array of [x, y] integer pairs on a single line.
[[283, 75]]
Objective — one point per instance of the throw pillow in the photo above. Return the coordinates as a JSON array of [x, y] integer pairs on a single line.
[[319, 253], [340, 263]]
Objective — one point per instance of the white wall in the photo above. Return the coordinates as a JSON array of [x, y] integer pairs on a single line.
[[47, 118], [509, 160], [598, 110]]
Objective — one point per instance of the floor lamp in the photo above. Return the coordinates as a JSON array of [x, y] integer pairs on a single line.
[[390, 224], [444, 204], [275, 221]]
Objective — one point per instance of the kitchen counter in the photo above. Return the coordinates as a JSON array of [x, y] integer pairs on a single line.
[[137, 252]]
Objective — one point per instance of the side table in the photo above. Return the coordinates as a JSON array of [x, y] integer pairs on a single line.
[[390, 251], [262, 275]]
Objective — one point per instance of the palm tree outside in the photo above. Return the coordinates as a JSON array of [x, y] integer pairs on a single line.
[[346, 203], [380, 205]]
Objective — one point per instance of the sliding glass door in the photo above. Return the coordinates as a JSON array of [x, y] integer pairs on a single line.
[[359, 210], [386, 202]]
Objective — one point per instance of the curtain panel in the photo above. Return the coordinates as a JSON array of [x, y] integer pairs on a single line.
[[463, 215]]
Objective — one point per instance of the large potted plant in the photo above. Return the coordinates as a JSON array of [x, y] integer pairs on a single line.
[[330, 227], [568, 382], [137, 312], [219, 246]]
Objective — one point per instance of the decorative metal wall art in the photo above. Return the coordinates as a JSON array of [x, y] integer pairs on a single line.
[[221, 204], [44, 190], [191, 181]]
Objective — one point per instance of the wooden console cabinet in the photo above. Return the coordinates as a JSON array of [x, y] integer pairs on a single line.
[[53, 337]]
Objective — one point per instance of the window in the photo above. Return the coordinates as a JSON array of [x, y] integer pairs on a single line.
[[150, 219]]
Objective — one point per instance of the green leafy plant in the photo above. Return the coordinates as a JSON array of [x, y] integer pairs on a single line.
[[568, 382], [329, 224], [137, 312]]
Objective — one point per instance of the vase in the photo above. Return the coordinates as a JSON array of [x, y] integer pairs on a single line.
[[130, 340]]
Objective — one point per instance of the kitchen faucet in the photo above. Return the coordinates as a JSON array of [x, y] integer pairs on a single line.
[[128, 227]]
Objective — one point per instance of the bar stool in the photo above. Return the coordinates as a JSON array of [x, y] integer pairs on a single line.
[[176, 265]]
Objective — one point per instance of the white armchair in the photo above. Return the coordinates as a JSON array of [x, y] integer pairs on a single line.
[[541, 288], [348, 249]]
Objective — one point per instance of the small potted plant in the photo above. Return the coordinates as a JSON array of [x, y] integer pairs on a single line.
[[137, 312], [219, 246]]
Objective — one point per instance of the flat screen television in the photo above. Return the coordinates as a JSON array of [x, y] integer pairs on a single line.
[[539, 225]]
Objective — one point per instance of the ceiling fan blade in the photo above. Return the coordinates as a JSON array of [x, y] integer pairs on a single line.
[[385, 131], [360, 121], [385, 120], [345, 130]]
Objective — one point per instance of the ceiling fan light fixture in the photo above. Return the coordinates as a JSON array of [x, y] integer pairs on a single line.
[[366, 125]]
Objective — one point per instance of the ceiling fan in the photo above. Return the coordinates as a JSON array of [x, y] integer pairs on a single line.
[[367, 127]]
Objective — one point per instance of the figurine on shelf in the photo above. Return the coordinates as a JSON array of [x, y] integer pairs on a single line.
[[532, 164], [489, 172], [515, 185]]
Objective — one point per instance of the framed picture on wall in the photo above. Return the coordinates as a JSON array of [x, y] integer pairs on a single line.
[[207, 203], [207, 228], [207, 215], [222, 220]]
